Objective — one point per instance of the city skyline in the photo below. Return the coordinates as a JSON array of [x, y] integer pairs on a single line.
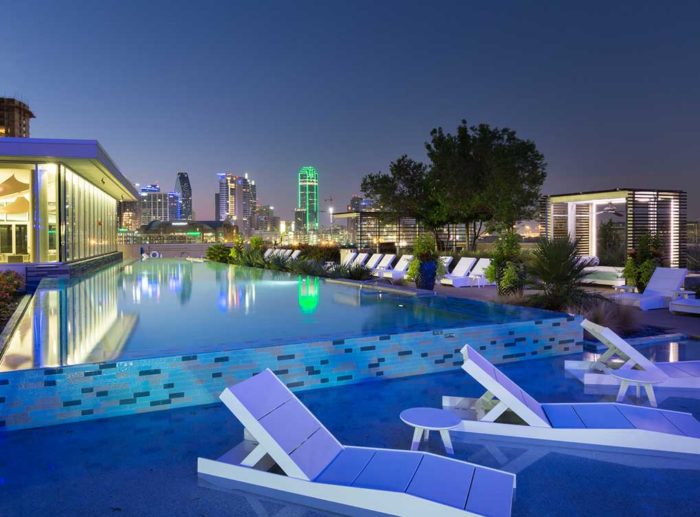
[[600, 122]]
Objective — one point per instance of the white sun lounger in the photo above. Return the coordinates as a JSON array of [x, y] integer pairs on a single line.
[[321, 472], [295, 255], [446, 261], [384, 265], [268, 252], [287, 254], [591, 423], [460, 274], [374, 260], [477, 276], [359, 260], [349, 258], [686, 305], [400, 270], [664, 282], [678, 374]]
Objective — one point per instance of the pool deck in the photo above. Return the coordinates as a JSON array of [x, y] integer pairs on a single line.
[[674, 323]]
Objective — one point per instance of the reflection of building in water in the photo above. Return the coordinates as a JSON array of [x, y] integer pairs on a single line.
[[308, 294], [144, 280], [71, 324], [234, 295]]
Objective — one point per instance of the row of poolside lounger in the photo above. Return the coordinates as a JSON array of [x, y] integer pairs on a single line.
[[468, 272], [287, 453]]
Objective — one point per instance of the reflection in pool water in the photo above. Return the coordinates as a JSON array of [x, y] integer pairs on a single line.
[[169, 307]]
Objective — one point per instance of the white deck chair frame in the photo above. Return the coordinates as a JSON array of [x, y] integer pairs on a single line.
[[460, 274], [658, 292], [401, 268], [598, 372], [536, 428], [246, 467]]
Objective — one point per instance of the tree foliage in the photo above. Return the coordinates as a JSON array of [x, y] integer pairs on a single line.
[[481, 176]]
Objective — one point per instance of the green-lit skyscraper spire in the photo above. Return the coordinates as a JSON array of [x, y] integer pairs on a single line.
[[307, 197]]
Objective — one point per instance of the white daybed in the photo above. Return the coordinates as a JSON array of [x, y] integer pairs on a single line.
[[662, 286]]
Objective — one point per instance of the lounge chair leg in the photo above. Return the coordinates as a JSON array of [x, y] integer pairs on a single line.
[[623, 390], [447, 442], [637, 390], [650, 394], [417, 435], [426, 435]]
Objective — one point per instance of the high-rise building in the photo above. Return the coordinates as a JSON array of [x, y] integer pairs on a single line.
[[265, 219], [217, 206], [307, 198], [157, 205], [129, 215], [184, 189], [237, 200], [14, 118]]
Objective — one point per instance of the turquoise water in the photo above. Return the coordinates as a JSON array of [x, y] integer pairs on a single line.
[[145, 465], [166, 307]]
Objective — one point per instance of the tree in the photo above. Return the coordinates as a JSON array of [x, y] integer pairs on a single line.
[[486, 177], [408, 190]]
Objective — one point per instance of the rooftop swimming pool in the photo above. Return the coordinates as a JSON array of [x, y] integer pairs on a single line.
[[160, 334], [167, 307], [146, 464]]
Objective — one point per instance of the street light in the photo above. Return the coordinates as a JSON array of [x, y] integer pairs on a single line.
[[330, 212]]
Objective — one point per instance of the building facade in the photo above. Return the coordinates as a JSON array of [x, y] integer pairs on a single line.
[[609, 224], [237, 201], [58, 201], [307, 199], [129, 215], [14, 118], [184, 190], [157, 205]]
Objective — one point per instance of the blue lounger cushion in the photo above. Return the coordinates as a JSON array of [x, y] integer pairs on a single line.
[[443, 480], [621, 416]]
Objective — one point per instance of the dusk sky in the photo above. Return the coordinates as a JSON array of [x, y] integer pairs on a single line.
[[609, 91]]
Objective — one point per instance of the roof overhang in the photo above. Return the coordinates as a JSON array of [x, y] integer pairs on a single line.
[[85, 157]]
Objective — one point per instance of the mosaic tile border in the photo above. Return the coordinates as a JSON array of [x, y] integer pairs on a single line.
[[42, 397]]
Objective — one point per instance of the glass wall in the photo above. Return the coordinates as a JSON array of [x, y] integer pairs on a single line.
[[90, 218], [15, 213]]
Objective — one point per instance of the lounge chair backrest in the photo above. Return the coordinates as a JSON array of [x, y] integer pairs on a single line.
[[621, 347], [359, 260], [386, 261], [446, 260], [268, 252], [481, 266], [300, 445], [463, 267], [665, 280], [295, 255], [374, 260], [287, 253], [503, 388], [403, 263], [349, 258]]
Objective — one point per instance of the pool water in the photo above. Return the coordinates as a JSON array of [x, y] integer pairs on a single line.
[[159, 308], [145, 465]]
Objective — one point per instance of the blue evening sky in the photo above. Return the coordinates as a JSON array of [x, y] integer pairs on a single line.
[[609, 91]]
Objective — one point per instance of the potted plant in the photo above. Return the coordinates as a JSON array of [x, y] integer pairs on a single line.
[[424, 266]]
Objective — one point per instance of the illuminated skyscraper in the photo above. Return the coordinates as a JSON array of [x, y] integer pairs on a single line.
[[307, 197], [184, 189], [14, 118], [237, 200]]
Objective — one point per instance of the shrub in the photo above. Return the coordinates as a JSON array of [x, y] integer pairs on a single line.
[[506, 254], [237, 249], [622, 319], [277, 263], [306, 267], [643, 261], [256, 243], [611, 244], [557, 271], [358, 272], [218, 253], [10, 283]]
